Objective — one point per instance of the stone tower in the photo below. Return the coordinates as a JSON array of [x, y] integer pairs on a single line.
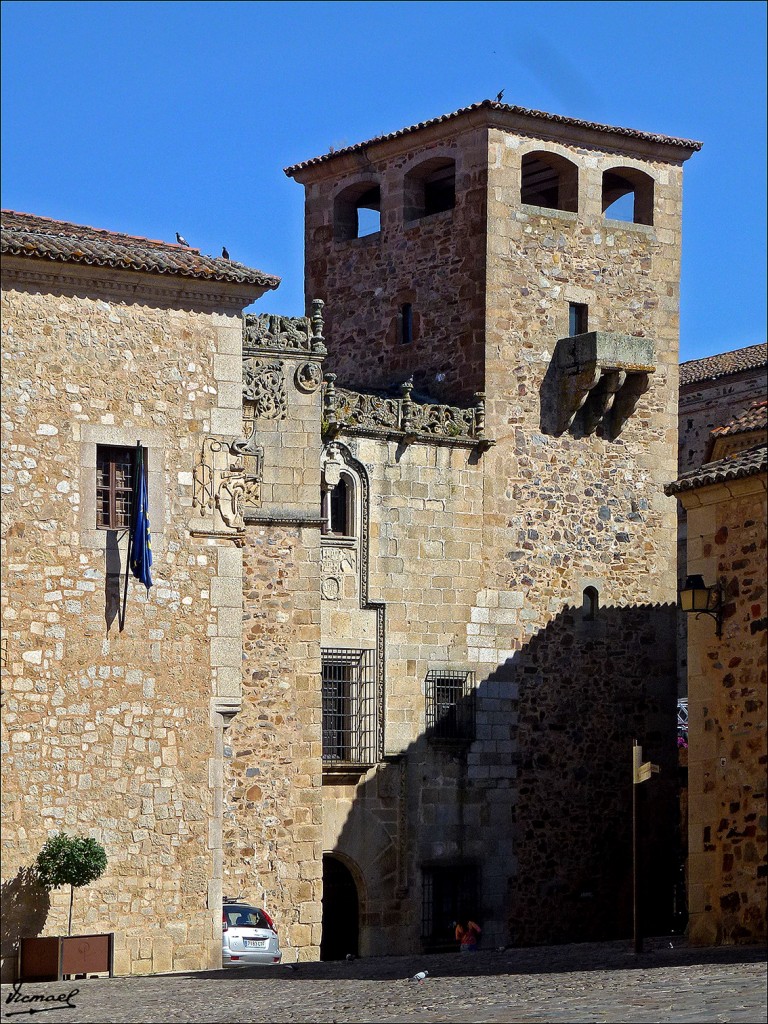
[[526, 265]]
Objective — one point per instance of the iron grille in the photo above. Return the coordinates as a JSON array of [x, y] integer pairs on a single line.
[[349, 707], [450, 704], [447, 894]]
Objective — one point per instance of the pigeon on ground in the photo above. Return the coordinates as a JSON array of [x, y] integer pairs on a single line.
[[420, 976], [224, 253], [181, 240], [499, 95], [351, 956]]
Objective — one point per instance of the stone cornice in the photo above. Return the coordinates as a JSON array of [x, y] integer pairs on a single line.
[[128, 286]]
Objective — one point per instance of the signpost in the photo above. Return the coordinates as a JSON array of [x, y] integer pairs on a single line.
[[640, 773]]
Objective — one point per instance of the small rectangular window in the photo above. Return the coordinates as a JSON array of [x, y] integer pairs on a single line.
[[577, 318], [349, 707], [450, 699], [406, 324], [114, 487]]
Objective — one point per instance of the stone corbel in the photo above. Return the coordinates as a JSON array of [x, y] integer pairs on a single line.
[[575, 386]]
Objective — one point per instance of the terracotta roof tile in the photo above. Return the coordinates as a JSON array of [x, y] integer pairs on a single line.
[[753, 418], [24, 234], [745, 463], [490, 105], [710, 368]]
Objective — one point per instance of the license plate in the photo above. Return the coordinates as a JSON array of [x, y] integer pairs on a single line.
[[255, 943]]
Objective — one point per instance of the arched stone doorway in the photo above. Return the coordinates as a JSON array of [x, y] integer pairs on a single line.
[[341, 928]]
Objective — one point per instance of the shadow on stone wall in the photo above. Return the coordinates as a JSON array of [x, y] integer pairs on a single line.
[[539, 805], [25, 906]]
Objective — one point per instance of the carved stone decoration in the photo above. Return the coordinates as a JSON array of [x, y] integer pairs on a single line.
[[264, 385], [599, 372], [218, 488], [330, 588], [308, 377], [379, 414], [337, 564], [266, 332]]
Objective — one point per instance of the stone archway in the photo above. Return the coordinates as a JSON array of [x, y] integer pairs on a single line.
[[341, 915]]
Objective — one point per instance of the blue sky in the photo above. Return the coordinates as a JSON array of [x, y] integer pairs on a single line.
[[152, 118]]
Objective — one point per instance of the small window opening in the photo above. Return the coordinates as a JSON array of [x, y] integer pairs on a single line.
[[357, 211], [578, 319], [114, 487], [628, 195], [429, 188], [338, 509], [440, 190], [406, 323], [450, 705], [590, 605], [549, 181]]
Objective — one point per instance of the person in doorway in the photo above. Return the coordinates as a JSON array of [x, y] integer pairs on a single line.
[[467, 934]]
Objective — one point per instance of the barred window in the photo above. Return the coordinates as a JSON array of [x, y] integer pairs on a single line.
[[349, 707], [447, 895], [450, 704], [114, 487]]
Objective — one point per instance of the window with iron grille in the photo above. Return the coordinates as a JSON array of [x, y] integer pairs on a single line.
[[114, 487], [450, 704], [447, 895], [349, 707]]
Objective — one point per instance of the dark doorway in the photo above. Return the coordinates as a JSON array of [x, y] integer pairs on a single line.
[[340, 911]]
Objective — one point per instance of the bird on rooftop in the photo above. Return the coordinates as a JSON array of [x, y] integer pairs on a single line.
[[498, 97], [224, 252], [181, 240]]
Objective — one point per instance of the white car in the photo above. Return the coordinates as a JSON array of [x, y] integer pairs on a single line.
[[248, 936]]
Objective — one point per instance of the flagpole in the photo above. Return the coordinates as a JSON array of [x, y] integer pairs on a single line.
[[131, 530]]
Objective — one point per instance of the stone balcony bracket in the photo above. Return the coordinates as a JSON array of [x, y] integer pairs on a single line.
[[600, 375]]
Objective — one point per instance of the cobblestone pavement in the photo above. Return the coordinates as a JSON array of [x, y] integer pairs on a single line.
[[603, 982]]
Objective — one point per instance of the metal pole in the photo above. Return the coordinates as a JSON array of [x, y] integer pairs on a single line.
[[637, 760]]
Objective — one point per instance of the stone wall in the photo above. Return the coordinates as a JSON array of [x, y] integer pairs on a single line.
[[106, 732], [435, 263], [727, 698]]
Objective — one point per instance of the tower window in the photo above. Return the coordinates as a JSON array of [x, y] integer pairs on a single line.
[[430, 188], [577, 318], [357, 211], [628, 195], [590, 605], [549, 181], [406, 323]]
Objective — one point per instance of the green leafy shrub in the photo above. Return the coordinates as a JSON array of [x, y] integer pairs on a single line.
[[72, 861]]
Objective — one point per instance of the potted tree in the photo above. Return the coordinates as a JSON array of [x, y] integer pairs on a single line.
[[74, 861]]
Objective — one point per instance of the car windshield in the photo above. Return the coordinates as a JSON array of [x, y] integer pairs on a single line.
[[240, 916]]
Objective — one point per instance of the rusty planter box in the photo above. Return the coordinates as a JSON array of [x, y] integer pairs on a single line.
[[52, 958]]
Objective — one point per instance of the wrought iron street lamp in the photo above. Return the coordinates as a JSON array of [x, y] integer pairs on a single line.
[[697, 599]]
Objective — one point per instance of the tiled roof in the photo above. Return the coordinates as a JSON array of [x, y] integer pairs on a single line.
[[744, 463], [698, 370], [24, 234], [753, 418], [490, 105]]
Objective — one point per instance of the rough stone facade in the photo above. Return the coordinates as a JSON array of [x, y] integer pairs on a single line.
[[106, 731], [727, 699], [414, 594]]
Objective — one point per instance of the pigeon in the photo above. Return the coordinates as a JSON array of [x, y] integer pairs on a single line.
[[499, 95], [350, 956], [420, 976], [181, 240], [224, 253]]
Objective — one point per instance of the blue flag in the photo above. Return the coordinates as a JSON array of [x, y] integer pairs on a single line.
[[141, 542]]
